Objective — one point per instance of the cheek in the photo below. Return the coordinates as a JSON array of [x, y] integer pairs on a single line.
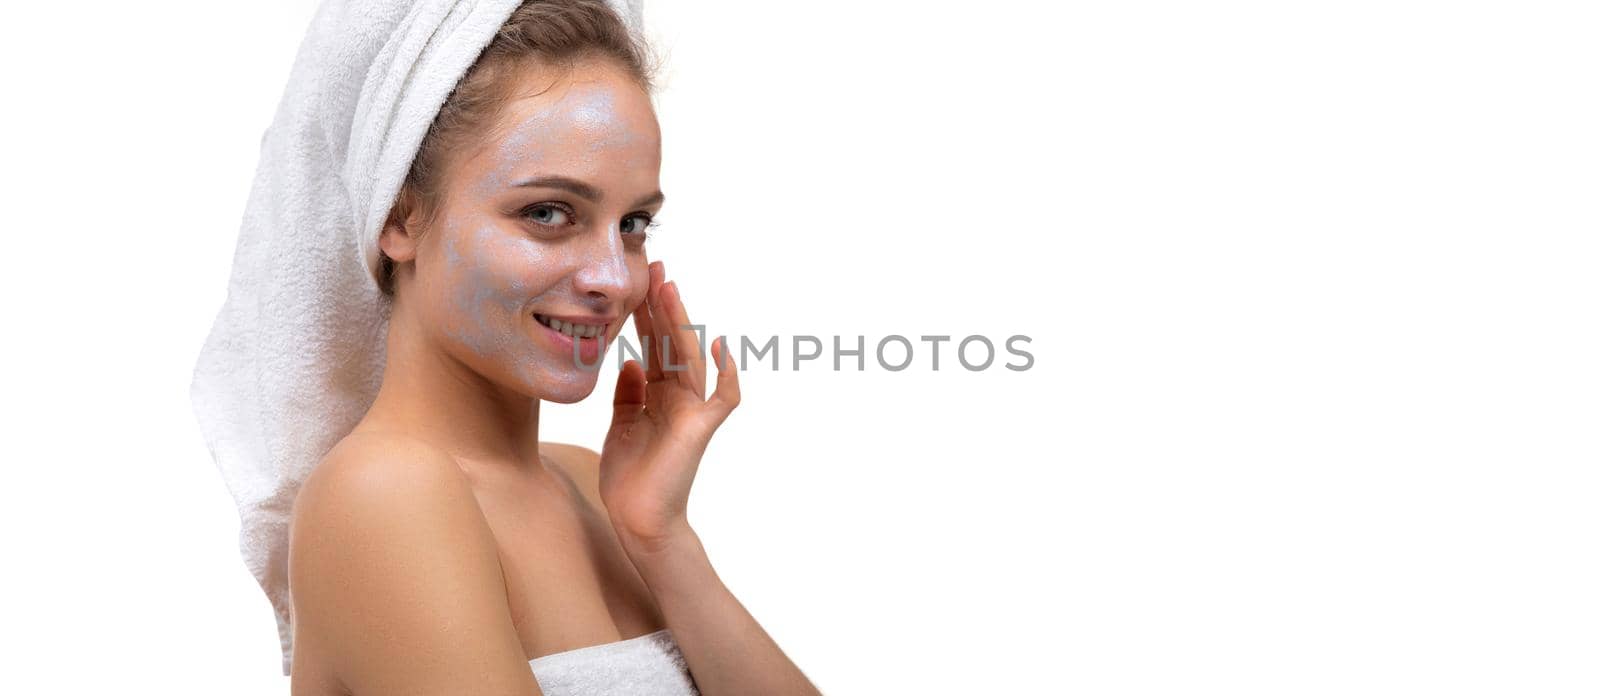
[[481, 291], [499, 273]]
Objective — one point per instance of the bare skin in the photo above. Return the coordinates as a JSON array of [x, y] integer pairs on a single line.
[[440, 546]]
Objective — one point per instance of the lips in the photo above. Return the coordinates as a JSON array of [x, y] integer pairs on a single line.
[[580, 337]]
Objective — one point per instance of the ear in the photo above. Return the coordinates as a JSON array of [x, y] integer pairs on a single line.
[[402, 232]]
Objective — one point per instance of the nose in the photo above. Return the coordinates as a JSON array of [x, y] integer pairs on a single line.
[[603, 270]]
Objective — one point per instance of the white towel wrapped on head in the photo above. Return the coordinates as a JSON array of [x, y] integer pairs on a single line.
[[296, 353]]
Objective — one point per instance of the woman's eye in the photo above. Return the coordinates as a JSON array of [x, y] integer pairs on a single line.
[[546, 214], [635, 224]]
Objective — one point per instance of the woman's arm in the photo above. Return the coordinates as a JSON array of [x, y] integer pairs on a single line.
[[727, 651], [396, 580], [662, 421]]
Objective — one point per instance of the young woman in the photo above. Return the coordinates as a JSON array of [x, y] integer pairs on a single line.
[[441, 547]]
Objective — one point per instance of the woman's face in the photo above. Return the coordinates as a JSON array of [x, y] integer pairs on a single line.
[[546, 222]]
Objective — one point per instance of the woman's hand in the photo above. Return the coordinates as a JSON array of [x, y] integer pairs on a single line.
[[662, 422]]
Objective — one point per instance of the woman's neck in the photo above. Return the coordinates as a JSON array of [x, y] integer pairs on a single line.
[[429, 394]]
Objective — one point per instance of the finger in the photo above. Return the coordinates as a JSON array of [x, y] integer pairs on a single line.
[[649, 348], [629, 400], [726, 397], [684, 340], [644, 325]]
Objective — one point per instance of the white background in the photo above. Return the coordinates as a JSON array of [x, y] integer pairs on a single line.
[[1311, 286]]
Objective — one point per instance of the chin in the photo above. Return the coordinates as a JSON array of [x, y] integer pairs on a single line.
[[565, 389]]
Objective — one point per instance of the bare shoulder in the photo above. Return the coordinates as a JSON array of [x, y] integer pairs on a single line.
[[578, 462], [569, 453], [376, 478], [395, 576], [365, 458], [384, 476]]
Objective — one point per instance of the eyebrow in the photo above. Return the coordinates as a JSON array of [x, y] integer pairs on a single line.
[[581, 189]]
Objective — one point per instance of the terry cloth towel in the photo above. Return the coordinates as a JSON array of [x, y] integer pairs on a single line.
[[296, 353], [647, 665]]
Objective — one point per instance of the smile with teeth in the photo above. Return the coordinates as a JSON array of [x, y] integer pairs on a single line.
[[571, 329]]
